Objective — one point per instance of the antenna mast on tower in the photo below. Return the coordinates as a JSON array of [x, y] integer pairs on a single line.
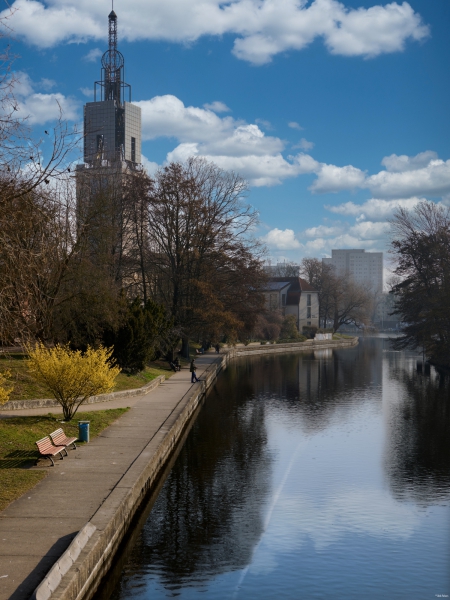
[[112, 84]]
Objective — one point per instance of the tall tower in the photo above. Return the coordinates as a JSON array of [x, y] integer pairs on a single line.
[[112, 125], [112, 156]]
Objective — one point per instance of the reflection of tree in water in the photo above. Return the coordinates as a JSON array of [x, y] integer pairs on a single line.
[[417, 458], [208, 516], [311, 388]]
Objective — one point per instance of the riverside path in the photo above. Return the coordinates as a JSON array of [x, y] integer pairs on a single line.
[[37, 528]]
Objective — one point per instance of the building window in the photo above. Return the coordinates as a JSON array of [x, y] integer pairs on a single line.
[[308, 312], [308, 300], [133, 149], [100, 142]]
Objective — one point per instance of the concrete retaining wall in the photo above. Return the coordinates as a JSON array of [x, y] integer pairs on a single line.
[[78, 573]]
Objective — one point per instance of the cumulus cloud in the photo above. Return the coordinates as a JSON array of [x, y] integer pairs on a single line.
[[331, 178], [295, 125], [93, 55], [263, 28], [304, 144], [47, 84], [217, 107], [150, 166], [374, 209], [400, 164], [405, 177], [281, 239], [323, 230], [244, 147], [430, 180], [88, 92], [231, 143], [40, 108]]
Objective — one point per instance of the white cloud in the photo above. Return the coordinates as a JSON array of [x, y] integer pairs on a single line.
[[217, 107], [40, 108], [400, 164], [282, 239], [304, 144], [93, 55], [231, 143], [331, 178], [430, 180], [88, 92], [374, 208], [295, 125], [266, 124], [376, 30], [369, 230], [263, 28], [323, 230], [47, 84], [150, 166], [406, 177]]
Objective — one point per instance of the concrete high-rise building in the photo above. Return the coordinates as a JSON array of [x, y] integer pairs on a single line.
[[365, 268], [112, 155], [112, 124]]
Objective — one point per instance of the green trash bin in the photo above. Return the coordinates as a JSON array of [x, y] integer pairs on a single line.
[[83, 431]]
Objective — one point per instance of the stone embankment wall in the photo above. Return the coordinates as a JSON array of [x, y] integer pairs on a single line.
[[78, 572], [50, 402]]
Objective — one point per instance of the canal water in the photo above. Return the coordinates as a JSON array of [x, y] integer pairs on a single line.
[[322, 475]]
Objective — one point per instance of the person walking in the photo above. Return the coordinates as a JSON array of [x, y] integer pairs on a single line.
[[217, 346], [193, 369]]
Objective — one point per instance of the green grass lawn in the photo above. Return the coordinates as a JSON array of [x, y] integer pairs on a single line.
[[18, 452], [342, 336], [26, 388]]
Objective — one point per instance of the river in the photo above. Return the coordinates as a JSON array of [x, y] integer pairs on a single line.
[[305, 476]]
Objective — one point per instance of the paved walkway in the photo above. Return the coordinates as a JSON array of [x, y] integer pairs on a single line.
[[37, 528]]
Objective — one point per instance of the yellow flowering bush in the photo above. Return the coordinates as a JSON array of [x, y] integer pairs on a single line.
[[72, 376], [5, 389]]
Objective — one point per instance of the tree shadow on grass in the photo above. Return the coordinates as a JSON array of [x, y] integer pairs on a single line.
[[18, 459]]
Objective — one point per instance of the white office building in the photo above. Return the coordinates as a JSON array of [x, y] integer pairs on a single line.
[[365, 268]]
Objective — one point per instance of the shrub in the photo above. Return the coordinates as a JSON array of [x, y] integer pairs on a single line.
[[145, 332], [5, 389], [289, 328], [300, 338], [309, 331], [72, 376], [268, 325]]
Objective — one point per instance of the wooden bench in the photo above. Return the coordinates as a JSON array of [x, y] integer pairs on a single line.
[[48, 450], [59, 438]]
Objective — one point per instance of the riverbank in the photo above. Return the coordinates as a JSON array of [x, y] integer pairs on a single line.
[[82, 509]]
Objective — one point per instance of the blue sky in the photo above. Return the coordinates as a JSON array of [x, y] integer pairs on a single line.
[[335, 112]]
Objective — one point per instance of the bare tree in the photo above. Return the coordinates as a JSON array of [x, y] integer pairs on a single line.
[[286, 269], [341, 300], [206, 268], [420, 244]]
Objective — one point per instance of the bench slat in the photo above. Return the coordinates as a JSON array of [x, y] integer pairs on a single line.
[[47, 449], [59, 438]]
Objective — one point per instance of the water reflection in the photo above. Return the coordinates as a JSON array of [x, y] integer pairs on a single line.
[[208, 517], [417, 457], [280, 489]]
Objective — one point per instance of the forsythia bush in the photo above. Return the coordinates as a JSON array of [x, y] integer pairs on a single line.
[[71, 375], [5, 389]]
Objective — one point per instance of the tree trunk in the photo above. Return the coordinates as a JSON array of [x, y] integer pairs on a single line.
[[185, 347]]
